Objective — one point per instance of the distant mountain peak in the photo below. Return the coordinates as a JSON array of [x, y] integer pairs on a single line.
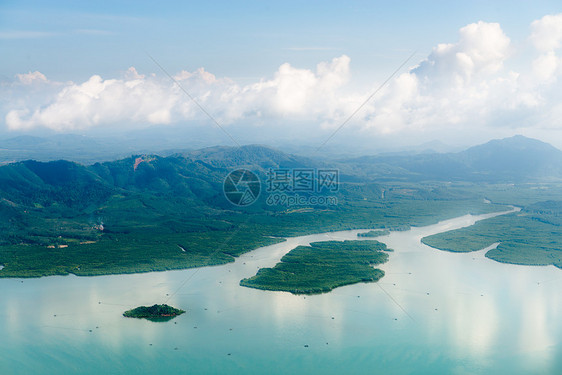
[[516, 142], [517, 156]]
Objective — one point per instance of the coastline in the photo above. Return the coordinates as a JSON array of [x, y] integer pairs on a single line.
[[232, 258]]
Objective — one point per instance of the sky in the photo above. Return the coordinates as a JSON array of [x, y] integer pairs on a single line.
[[303, 72]]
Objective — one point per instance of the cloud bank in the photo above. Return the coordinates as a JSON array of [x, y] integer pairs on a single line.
[[463, 85]]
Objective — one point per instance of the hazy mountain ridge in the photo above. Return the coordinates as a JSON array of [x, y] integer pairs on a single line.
[[199, 174], [517, 156], [514, 159]]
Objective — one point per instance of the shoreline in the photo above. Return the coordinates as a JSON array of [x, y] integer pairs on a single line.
[[285, 239]]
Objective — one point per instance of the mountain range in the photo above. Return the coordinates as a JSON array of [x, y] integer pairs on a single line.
[[198, 175], [511, 160]]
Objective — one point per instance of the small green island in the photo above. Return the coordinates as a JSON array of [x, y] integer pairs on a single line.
[[374, 233], [321, 267], [155, 313]]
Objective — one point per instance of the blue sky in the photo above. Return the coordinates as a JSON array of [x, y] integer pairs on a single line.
[[243, 43], [74, 39]]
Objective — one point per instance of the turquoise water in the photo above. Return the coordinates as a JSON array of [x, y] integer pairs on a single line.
[[434, 312]]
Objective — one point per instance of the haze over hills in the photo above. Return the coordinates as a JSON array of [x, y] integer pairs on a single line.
[[517, 156], [199, 174], [514, 159], [92, 147], [196, 177], [78, 148]]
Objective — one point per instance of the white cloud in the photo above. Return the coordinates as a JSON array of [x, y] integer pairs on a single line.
[[546, 66], [456, 84], [134, 98], [546, 37], [463, 85], [546, 33], [98, 101], [31, 77], [481, 50]]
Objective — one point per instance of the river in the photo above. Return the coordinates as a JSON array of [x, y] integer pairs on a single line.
[[433, 312]]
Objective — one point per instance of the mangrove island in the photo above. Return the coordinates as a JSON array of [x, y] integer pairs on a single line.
[[158, 313]]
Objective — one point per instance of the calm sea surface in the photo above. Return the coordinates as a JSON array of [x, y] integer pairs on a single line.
[[433, 313]]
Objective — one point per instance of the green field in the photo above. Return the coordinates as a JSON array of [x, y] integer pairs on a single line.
[[321, 267]]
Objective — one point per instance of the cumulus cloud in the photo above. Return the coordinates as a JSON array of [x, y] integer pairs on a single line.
[[98, 101], [546, 66], [463, 85], [458, 82], [136, 98], [546, 33], [481, 50], [546, 37]]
